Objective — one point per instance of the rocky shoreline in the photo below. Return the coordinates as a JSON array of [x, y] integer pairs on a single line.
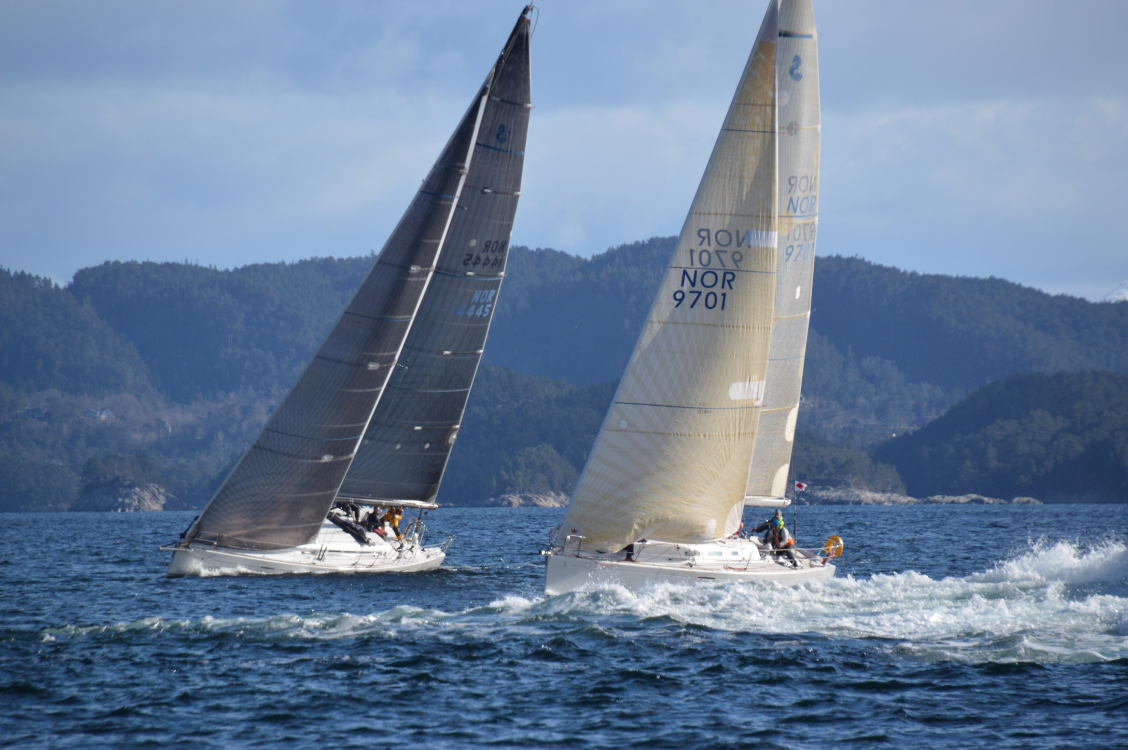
[[528, 500], [129, 498], [851, 496]]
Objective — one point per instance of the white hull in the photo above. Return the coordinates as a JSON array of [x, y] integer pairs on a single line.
[[665, 562], [333, 551]]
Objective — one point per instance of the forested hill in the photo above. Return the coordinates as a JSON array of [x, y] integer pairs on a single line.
[[204, 332], [1058, 438], [961, 332], [184, 362], [563, 316], [48, 339]]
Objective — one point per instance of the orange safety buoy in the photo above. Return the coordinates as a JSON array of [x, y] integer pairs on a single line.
[[834, 546]]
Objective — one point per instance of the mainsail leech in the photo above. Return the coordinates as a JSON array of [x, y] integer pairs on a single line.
[[283, 487], [671, 460]]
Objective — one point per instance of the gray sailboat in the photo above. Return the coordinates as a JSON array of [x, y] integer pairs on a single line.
[[368, 428]]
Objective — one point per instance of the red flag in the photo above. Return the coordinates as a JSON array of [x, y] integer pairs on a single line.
[[799, 486]]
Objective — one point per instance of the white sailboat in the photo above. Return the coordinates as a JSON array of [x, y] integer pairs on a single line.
[[370, 424], [704, 417]]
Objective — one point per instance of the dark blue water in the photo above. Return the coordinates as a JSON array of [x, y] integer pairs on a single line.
[[947, 627]]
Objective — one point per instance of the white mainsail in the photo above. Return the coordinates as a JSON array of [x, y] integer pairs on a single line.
[[671, 460], [797, 93]]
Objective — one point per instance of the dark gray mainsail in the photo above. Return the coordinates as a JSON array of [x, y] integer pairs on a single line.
[[283, 487], [410, 437]]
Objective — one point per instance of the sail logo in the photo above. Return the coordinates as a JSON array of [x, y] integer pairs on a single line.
[[751, 390], [793, 71], [502, 134]]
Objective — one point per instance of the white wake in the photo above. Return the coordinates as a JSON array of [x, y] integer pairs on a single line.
[[1052, 602]]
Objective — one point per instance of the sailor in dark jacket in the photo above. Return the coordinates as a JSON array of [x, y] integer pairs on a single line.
[[767, 526]]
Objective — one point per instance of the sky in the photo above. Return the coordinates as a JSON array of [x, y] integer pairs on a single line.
[[968, 138]]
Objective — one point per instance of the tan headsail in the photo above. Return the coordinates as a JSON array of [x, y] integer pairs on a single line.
[[671, 460], [797, 82]]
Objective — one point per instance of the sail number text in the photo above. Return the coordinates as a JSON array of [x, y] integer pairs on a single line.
[[711, 295], [480, 305], [491, 255], [800, 242]]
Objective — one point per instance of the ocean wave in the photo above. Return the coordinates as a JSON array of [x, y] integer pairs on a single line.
[[1022, 609], [1025, 608]]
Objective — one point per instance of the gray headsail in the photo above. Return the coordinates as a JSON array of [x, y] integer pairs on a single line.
[[409, 440], [280, 492]]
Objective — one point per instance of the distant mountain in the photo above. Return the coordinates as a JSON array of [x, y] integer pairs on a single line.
[[1058, 438], [961, 333], [49, 339], [890, 348], [1119, 294], [205, 332], [184, 362]]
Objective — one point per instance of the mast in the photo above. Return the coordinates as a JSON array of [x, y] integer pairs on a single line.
[[409, 440], [797, 80], [671, 460], [284, 485]]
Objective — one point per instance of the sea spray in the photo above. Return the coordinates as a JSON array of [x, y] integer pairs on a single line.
[[1021, 608]]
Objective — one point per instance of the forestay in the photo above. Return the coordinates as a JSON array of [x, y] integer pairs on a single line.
[[797, 77], [671, 460], [407, 445], [283, 487]]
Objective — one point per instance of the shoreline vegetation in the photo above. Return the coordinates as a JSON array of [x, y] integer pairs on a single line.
[[916, 385]]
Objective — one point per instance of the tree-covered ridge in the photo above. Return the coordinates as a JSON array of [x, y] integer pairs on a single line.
[[1054, 437], [206, 332], [575, 318], [189, 360], [48, 339], [959, 332], [523, 433]]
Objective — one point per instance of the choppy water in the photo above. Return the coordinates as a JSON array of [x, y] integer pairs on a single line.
[[947, 627]]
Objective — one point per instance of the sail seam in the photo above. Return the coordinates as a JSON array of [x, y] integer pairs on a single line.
[[738, 270], [416, 390], [698, 408], [304, 437], [392, 319], [502, 150]]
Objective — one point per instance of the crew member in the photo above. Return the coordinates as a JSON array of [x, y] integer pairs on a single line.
[[766, 526], [375, 521], [782, 541], [392, 518]]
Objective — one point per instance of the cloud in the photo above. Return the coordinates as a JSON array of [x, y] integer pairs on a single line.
[[1014, 188], [277, 130]]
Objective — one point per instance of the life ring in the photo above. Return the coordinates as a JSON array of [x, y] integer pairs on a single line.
[[834, 546]]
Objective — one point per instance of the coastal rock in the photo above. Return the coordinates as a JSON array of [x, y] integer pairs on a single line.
[[852, 496], [129, 498], [964, 499], [528, 500]]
